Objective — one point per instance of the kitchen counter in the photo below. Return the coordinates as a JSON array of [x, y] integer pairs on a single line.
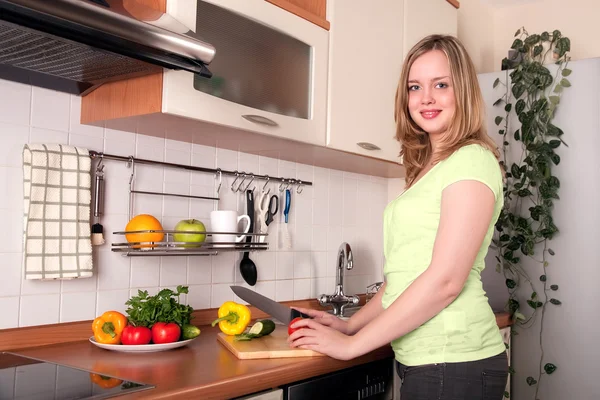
[[203, 369]]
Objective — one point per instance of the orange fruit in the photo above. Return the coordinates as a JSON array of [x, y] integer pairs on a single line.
[[144, 222]]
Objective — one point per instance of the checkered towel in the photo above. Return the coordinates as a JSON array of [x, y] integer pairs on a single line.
[[57, 195]]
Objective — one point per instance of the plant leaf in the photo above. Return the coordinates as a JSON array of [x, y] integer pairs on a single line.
[[565, 82], [497, 81], [566, 72], [556, 302], [498, 120], [554, 287], [554, 99], [530, 381], [549, 368]]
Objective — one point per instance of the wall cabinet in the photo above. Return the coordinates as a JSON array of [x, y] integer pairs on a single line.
[[269, 76], [224, 112], [367, 48]]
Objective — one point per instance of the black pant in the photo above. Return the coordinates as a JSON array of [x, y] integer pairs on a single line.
[[473, 380]]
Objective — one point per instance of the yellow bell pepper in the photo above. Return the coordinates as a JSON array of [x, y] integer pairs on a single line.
[[108, 327], [233, 318], [105, 382]]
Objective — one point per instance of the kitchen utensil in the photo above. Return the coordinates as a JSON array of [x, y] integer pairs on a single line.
[[266, 212], [280, 312], [141, 348], [286, 240], [274, 345], [247, 266]]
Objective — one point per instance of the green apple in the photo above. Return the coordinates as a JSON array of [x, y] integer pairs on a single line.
[[190, 225]]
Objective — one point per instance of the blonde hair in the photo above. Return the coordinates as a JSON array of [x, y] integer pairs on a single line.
[[468, 123]]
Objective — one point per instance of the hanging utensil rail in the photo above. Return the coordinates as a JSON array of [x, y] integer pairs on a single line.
[[237, 174]]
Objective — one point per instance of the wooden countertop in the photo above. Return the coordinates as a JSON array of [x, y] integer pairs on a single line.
[[203, 369]]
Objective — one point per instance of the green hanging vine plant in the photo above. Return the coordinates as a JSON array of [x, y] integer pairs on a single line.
[[526, 226]]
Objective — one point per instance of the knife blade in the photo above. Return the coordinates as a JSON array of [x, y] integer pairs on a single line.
[[280, 312]]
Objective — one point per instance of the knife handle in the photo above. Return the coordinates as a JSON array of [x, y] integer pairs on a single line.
[[296, 314]]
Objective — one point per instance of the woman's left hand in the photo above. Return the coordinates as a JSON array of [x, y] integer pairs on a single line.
[[311, 335]]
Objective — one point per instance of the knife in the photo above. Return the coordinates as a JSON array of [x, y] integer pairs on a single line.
[[282, 313]]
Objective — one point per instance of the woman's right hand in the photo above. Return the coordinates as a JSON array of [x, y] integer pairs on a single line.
[[324, 318]]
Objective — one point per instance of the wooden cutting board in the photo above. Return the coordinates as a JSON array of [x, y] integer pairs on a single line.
[[274, 345]]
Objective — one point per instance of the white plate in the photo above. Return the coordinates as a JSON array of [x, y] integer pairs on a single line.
[[141, 348]]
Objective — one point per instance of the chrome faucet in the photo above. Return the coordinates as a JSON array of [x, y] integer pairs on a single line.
[[339, 301]]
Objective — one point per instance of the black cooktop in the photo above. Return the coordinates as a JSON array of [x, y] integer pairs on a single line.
[[27, 378]]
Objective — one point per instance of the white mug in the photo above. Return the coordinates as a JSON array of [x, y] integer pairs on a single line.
[[227, 221]]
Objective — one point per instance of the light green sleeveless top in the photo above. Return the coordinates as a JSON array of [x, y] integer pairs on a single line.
[[465, 330]]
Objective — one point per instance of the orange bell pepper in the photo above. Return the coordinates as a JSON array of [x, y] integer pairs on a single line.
[[108, 327], [105, 382]]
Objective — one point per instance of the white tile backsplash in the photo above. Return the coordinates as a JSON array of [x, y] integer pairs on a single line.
[[39, 309], [15, 103], [10, 313], [50, 109], [338, 206]]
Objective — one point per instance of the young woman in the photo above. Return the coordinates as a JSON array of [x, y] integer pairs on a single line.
[[433, 309]]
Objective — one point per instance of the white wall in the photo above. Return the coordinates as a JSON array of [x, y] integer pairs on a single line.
[[571, 330], [339, 207], [487, 27]]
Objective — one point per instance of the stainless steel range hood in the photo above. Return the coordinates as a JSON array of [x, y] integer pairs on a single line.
[[75, 46]]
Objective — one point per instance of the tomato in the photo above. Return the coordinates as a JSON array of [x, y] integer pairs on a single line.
[[136, 335], [290, 329], [165, 332]]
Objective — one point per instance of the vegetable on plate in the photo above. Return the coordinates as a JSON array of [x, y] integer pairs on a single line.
[[189, 332], [233, 318], [108, 327], [165, 332], [136, 335], [146, 310]]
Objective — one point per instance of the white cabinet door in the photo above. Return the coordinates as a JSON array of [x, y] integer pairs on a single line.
[[180, 98], [365, 59], [368, 43]]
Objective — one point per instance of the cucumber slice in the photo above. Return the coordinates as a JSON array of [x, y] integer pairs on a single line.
[[262, 328]]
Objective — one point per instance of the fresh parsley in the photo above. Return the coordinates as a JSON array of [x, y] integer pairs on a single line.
[[145, 310]]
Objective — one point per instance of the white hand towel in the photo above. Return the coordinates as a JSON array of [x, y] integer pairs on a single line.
[[57, 198]]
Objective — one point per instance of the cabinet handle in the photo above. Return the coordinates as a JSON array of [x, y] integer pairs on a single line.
[[259, 119], [368, 146]]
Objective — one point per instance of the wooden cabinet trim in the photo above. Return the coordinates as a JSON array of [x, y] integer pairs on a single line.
[[129, 97], [455, 3], [302, 13]]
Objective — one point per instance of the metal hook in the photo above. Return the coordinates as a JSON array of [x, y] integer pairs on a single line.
[[237, 176], [265, 185], [220, 174], [249, 183], [300, 187], [290, 183], [244, 176], [282, 185]]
